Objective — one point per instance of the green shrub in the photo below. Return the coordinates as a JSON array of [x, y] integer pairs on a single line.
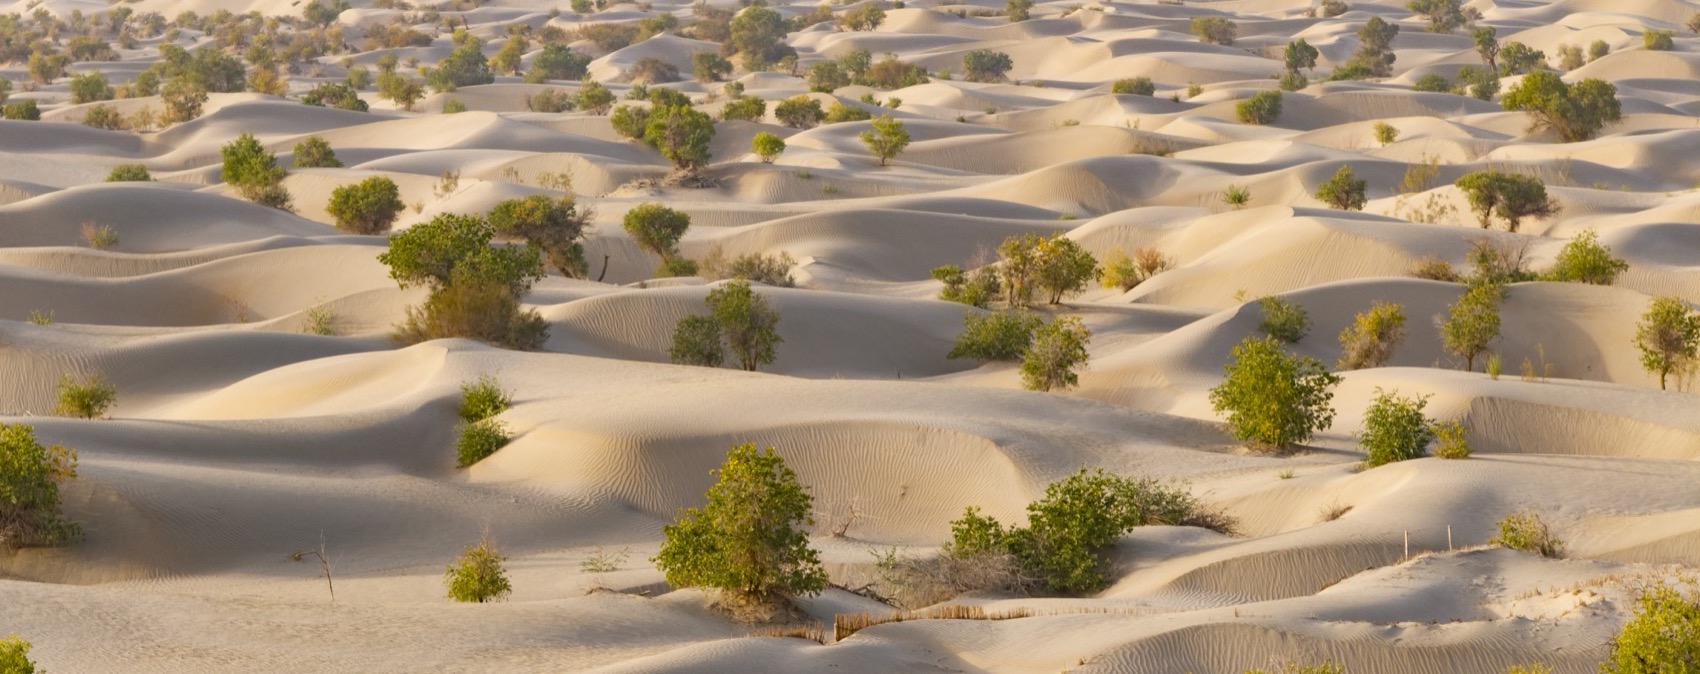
[[24, 109], [342, 96], [749, 324], [556, 62], [476, 441], [1345, 190], [1058, 348], [1450, 440], [593, 97], [767, 146], [474, 308], [886, 139], [1657, 40], [475, 287], [253, 171], [1138, 86], [1283, 319], [772, 270], [1585, 260], [1264, 107], [985, 65], [367, 207], [799, 112], [103, 116], [977, 288], [1598, 49], [1395, 429], [1236, 196], [1444, 16], [1509, 196], [478, 575], [1668, 336], [1125, 273], [1498, 262], [1662, 638], [707, 66], [1472, 323], [1432, 83], [550, 100], [128, 173], [314, 152], [15, 657], [746, 108], [1527, 532], [749, 541], [1018, 10], [1002, 335], [1371, 338], [1575, 112], [90, 87], [840, 113], [555, 227], [657, 228], [30, 513], [86, 398], [1292, 81], [697, 341], [1299, 55], [482, 399], [676, 267], [1214, 30], [1291, 667], [1386, 133], [1274, 399]]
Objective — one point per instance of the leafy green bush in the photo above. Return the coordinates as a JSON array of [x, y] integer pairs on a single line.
[[840, 112], [1274, 399], [253, 171], [1345, 190], [1668, 336], [1386, 133], [749, 324], [474, 308], [478, 575], [338, 95], [1575, 112], [482, 399], [657, 228], [1058, 348], [746, 108], [1472, 323], [886, 139], [1527, 532], [89, 87], [593, 97], [1432, 83], [1371, 338], [1510, 196], [1444, 16], [556, 227], [1585, 260], [103, 116], [556, 62], [314, 152], [767, 146], [1137, 86], [477, 440], [1002, 335], [985, 65], [86, 398], [367, 207], [128, 173], [30, 512], [1264, 107], [977, 288], [1291, 667], [1657, 40], [799, 112], [1283, 319], [475, 287], [1395, 429], [750, 540], [15, 657], [25, 109], [773, 270], [1450, 440], [697, 341], [452, 105], [1214, 29], [1662, 638], [1125, 273]]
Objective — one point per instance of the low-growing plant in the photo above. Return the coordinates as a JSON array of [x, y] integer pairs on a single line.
[[1371, 338], [1236, 196], [1450, 441], [30, 509], [1529, 533], [85, 398], [39, 317], [478, 575], [482, 399], [367, 207], [773, 270], [15, 657], [767, 146], [1292, 667], [977, 288], [697, 341], [1125, 273], [99, 237], [314, 152], [1394, 429], [1283, 319], [1137, 86], [1057, 349], [1386, 133], [1264, 107], [1585, 260], [477, 440], [1344, 190], [1662, 638], [128, 173]]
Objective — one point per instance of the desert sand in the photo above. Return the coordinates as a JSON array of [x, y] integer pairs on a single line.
[[238, 440]]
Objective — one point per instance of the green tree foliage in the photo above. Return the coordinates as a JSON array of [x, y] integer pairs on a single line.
[[681, 134], [323, 13], [767, 146], [183, 99], [707, 66], [1214, 29], [1371, 338], [840, 112], [1018, 10], [483, 398], [1598, 49], [891, 73], [253, 171], [1126, 273], [1575, 112], [463, 67], [758, 36], [128, 173], [657, 228], [367, 207], [1274, 399], [475, 287], [1062, 267], [1486, 39], [1662, 638], [314, 152], [977, 288], [86, 398], [1386, 133], [30, 476], [1137, 86], [746, 108], [799, 112], [15, 657], [1058, 349], [1283, 319], [477, 440], [1668, 336], [827, 76], [886, 139], [593, 97], [1529, 533], [554, 226], [1478, 83], [750, 540], [1472, 323], [24, 109], [697, 341], [1435, 83], [866, 17], [1509, 196], [1444, 16], [478, 575], [557, 62], [1375, 55], [1516, 58], [1585, 260], [1002, 335], [1264, 107], [1394, 429], [749, 324], [1345, 190], [336, 95], [1451, 441], [90, 87], [400, 89], [506, 60], [1299, 55], [985, 65]]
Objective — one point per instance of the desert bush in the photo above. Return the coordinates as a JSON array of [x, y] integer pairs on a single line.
[[1432, 83], [773, 270], [1668, 336], [464, 67], [1018, 10], [1509, 196], [746, 108], [1002, 335], [1444, 16], [891, 73], [1058, 349], [1498, 262], [707, 66], [483, 398], [1570, 57], [1125, 273], [474, 308], [30, 512], [1434, 269], [15, 657], [681, 134], [477, 440], [657, 228], [183, 100], [749, 324], [1344, 190], [1575, 112], [676, 267], [985, 65], [1662, 638], [1516, 58], [593, 97], [1479, 83], [25, 110], [103, 116], [697, 341], [99, 237], [749, 541], [827, 76], [1657, 40], [85, 398], [1214, 29], [1274, 399], [886, 139], [652, 70], [1292, 667], [1371, 338], [1236, 196], [478, 575], [129, 173], [799, 112], [475, 287], [402, 90], [550, 100], [767, 146], [1585, 260], [1386, 133], [1394, 429], [840, 112], [1472, 323], [452, 105], [866, 17], [757, 35], [1283, 319], [253, 171], [335, 95], [977, 288], [1598, 49], [314, 152], [90, 87], [1450, 441], [1264, 107], [1375, 55], [1292, 81], [367, 207], [555, 227], [1299, 55], [1062, 267], [1138, 86], [1529, 533]]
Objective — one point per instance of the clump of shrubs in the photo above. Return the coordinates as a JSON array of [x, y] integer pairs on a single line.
[[1529, 533], [85, 398], [30, 511], [1000, 335], [483, 398], [1274, 399], [123, 173], [477, 440], [478, 576], [1283, 319], [1394, 429]]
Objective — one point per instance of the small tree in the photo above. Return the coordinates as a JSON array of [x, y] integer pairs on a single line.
[[1062, 267], [1273, 398], [1057, 350], [745, 108], [886, 139], [128, 173], [475, 287], [697, 341], [1585, 260], [556, 62], [681, 134], [1344, 191], [85, 398], [1371, 338], [483, 398], [749, 323], [1003, 335], [1125, 273], [977, 288], [1395, 429], [1299, 55], [1662, 638], [1264, 107], [1137, 86], [1527, 532], [1214, 29], [253, 171], [15, 657], [367, 207], [750, 540], [338, 95], [1575, 112], [1510, 196], [985, 65], [90, 87], [657, 228], [707, 66], [1283, 319], [1668, 336], [799, 112], [767, 146], [1018, 10], [478, 575], [554, 226], [314, 152], [593, 97], [183, 99], [1472, 323], [30, 512], [1444, 16]]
